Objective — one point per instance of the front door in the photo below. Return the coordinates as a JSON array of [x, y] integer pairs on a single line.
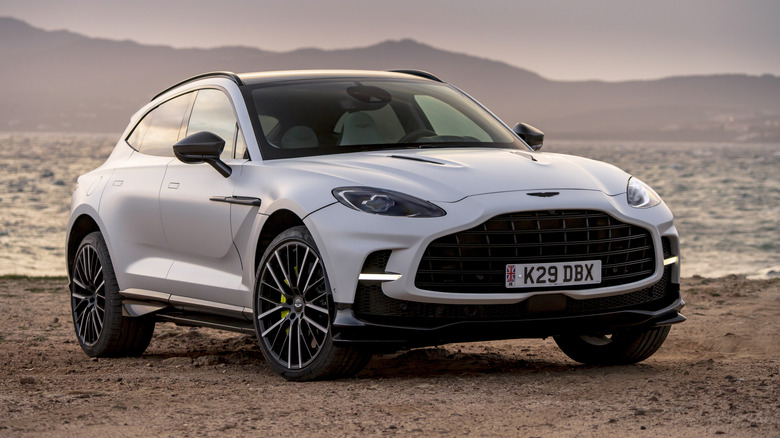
[[196, 220]]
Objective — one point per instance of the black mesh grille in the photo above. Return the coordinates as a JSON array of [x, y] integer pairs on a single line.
[[474, 261], [376, 261], [373, 305], [666, 245]]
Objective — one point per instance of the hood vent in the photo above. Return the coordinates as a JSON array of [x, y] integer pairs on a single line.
[[415, 158]]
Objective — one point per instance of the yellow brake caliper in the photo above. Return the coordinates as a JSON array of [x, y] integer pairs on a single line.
[[284, 300]]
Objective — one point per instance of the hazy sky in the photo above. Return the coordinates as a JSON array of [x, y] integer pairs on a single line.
[[575, 39]]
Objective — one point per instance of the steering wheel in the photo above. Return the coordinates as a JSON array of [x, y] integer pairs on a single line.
[[416, 135]]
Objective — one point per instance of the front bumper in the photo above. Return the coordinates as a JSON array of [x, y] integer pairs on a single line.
[[344, 249], [398, 324]]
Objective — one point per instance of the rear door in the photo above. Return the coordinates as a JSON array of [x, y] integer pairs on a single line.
[[130, 205]]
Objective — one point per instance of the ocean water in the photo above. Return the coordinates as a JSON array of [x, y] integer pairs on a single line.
[[725, 197]]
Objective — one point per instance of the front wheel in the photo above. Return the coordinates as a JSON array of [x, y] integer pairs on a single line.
[[293, 310], [619, 348]]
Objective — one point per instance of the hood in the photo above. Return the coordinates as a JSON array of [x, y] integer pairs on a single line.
[[448, 175]]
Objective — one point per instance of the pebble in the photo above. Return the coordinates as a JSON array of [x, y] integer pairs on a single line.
[[177, 361]]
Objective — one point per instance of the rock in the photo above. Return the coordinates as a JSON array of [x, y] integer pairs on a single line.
[[177, 361], [207, 360]]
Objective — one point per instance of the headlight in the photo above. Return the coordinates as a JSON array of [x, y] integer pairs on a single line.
[[640, 195], [385, 202]]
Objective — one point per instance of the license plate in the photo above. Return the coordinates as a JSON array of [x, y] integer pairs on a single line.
[[553, 274]]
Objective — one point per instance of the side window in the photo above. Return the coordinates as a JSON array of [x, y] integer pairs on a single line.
[[446, 120], [136, 138], [213, 112], [241, 146], [159, 130]]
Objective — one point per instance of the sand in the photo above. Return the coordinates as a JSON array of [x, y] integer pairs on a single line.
[[717, 374]]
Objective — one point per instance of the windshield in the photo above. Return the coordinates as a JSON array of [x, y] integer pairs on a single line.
[[303, 118]]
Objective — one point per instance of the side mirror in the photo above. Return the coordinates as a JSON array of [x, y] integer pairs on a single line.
[[202, 147], [530, 135]]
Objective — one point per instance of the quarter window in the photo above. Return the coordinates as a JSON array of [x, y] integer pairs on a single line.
[[159, 130]]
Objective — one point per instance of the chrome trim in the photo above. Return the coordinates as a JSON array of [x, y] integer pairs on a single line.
[[379, 277]]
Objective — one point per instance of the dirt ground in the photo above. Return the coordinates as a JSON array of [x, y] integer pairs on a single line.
[[717, 374]]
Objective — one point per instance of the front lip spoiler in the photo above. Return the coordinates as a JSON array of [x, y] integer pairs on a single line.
[[349, 330]]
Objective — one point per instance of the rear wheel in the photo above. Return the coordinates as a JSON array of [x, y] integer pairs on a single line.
[[623, 347], [293, 312], [97, 307]]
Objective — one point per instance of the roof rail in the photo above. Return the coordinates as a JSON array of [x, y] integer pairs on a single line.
[[420, 73], [227, 74]]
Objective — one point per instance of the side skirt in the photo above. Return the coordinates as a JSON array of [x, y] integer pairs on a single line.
[[187, 311]]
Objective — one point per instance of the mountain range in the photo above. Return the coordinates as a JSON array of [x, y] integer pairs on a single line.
[[61, 81]]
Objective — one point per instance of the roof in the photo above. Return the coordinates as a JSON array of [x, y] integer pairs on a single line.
[[292, 75], [289, 75]]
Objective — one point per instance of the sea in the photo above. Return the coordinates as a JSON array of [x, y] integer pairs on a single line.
[[725, 197]]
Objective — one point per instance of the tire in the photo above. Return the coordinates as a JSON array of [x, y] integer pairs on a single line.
[[620, 348], [293, 311], [96, 306]]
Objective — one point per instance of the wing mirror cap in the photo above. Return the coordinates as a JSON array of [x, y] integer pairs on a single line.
[[203, 147], [532, 136]]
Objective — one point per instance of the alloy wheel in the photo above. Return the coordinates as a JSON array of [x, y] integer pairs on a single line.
[[292, 308], [88, 295]]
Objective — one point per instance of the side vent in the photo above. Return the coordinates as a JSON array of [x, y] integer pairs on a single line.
[[376, 262]]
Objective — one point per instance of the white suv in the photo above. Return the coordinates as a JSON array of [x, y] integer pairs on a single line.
[[336, 214]]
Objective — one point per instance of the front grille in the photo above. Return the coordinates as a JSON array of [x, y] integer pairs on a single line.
[[474, 261], [374, 306]]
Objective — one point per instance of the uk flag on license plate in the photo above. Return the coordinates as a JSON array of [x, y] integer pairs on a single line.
[[510, 274]]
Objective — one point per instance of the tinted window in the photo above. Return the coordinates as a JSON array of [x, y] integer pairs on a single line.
[[241, 151], [159, 130], [346, 115], [213, 112], [446, 120]]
